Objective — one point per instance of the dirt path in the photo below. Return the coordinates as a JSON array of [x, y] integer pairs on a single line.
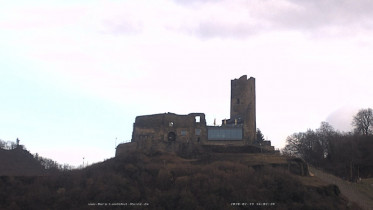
[[352, 191]]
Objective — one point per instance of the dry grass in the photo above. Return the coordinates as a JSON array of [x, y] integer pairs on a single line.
[[355, 192], [366, 187], [312, 181], [252, 159]]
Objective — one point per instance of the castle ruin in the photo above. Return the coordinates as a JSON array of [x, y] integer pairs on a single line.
[[168, 130]]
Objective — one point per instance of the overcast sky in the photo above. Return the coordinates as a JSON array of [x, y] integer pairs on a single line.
[[75, 74]]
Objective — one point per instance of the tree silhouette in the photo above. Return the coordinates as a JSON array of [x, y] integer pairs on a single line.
[[259, 135], [363, 121]]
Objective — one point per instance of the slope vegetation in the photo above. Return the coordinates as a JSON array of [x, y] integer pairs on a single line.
[[19, 162], [166, 181]]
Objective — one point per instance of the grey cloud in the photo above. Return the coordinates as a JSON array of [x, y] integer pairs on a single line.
[[122, 27], [189, 2], [214, 29], [314, 17], [323, 13], [341, 119]]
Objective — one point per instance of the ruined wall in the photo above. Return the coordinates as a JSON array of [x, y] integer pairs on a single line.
[[243, 105], [169, 128]]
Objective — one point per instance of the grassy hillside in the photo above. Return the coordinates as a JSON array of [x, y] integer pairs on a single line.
[[167, 181]]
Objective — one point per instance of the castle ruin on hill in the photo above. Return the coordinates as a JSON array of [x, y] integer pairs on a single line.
[[167, 131]]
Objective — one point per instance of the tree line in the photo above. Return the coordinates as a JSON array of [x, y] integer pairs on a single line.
[[345, 154]]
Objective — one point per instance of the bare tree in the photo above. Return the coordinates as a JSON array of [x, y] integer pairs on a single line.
[[363, 121], [325, 133], [292, 147], [312, 146]]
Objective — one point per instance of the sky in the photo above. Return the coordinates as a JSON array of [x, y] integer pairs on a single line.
[[75, 74]]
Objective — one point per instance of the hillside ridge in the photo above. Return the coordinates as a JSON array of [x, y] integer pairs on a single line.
[[19, 162]]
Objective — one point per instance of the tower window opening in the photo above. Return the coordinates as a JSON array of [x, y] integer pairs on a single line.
[[198, 119], [238, 101]]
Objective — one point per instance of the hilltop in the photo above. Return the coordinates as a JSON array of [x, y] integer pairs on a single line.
[[19, 162], [166, 181]]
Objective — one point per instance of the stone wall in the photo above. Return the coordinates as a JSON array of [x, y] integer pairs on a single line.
[[170, 127]]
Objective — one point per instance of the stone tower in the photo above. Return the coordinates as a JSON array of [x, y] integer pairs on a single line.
[[243, 106]]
